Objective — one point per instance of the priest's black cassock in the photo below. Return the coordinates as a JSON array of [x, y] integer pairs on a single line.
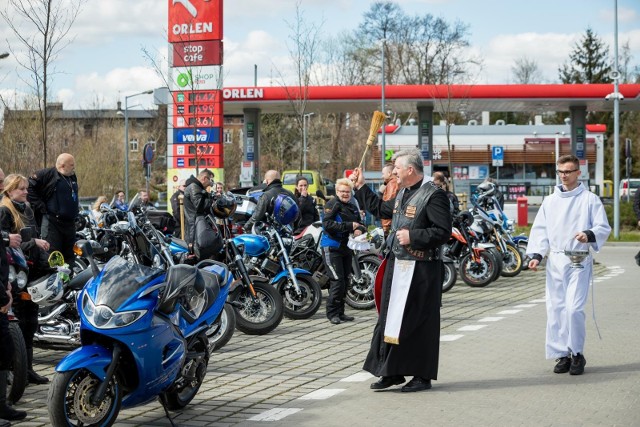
[[419, 339]]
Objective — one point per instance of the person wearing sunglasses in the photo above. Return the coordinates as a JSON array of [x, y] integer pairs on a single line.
[[571, 217]]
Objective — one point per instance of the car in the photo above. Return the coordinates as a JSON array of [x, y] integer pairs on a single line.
[[629, 187], [315, 179]]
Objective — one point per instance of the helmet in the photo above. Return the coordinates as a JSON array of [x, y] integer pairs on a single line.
[[49, 289], [486, 189], [224, 206], [465, 218], [285, 209], [81, 222]]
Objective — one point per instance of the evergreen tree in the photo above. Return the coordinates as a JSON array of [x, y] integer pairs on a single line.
[[588, 62]]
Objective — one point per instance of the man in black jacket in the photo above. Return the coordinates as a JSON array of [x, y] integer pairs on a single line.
[[265, 203], [53, 195], [197, 201]]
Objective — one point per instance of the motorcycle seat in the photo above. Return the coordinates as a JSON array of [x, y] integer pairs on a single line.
[[80, 279], [179, 242]]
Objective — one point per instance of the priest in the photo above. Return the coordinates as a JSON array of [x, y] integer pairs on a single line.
[[406, 338]]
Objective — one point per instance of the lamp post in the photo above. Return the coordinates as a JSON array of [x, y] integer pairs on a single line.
[[126, 140], [615, 74], [305, 122], [384, 111]]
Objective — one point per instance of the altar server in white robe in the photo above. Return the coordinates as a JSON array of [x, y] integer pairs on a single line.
[[571, 218]]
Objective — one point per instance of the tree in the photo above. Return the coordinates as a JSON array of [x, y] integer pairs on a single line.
[[526, 71], [588, 62], [49, 22]]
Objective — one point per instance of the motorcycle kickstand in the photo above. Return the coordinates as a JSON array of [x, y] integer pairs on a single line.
[[163, 402]]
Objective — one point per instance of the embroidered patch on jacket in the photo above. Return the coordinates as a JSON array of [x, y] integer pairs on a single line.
[[411, 211]]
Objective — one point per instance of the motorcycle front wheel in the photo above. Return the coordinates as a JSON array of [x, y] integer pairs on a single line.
[[222, 329], [70, 400], [477, 274], [301, 305], [261, 315], [17, 378], [450, 276], [360, 293], [512, 261]]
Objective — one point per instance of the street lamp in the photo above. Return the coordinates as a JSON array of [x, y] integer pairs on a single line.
[[126, 140], [384, 111], [305, 122], [616, 128]]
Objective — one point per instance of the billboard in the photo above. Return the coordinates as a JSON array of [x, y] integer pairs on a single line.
[[194, 20], [196, 53]]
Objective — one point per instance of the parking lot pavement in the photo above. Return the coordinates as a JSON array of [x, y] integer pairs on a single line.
[[492, 367]]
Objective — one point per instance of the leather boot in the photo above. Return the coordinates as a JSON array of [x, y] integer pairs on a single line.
[[32, 376], [6, 411]]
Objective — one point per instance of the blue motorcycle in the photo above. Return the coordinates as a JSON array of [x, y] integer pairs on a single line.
[[143, 333]]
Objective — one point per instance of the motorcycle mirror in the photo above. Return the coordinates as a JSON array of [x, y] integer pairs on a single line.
[[321, 195], [86, 246]]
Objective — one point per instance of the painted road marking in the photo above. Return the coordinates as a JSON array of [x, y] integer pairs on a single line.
[[323, 393], [509, 311], [360, 376], [490, 319], [538, 300], [524, 305], [472, 328], [450, 337], [275, 414]]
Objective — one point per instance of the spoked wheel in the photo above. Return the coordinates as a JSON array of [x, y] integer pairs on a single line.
[[511, 261], [222, 329], [477, 273], [17, 377], [522, 247], [261, 315], [496, 255], [188, 383], [70, 400], [303, 304], [360, 293], [450, 276]]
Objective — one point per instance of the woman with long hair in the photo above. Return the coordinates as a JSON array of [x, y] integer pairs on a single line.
[[96, 214], [308, 210], [16, 215]]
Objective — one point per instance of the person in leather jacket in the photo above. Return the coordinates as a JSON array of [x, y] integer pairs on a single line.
[[15, 215], [265, 202], [197, 202], [341, 218], [308, 211]]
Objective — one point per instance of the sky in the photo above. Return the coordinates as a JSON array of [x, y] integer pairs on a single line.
[[106, 58]]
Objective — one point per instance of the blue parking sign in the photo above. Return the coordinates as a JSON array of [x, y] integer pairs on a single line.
[[497, 155]]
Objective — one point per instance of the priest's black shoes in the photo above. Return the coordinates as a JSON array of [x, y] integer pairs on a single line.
[[346, 318], [386, 382], [335, 320], [416, 384]]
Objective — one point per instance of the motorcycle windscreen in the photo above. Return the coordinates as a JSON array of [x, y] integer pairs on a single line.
[[121, 279]]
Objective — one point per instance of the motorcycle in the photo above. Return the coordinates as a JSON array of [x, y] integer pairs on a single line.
[[17, 378], [267, 254], [306, 253], [143, 335]]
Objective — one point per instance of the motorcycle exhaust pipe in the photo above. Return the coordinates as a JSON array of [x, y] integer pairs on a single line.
[[55, 313], [55, 338]]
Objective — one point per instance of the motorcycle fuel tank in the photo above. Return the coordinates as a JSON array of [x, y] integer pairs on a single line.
[[253, 245]]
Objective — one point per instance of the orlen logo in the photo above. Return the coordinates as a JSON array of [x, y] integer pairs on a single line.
[[243, 93]]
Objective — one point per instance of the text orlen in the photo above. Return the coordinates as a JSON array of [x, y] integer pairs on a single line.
[[194, 28], [248, 93]]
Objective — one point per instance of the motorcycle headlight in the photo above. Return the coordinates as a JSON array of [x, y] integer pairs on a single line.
[[12, 274], [103, 317], [21, 280]]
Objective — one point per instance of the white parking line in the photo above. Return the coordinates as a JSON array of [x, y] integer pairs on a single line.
[[490, 319], [471, 328], [359, 377], [323, 393], [538, 300], [450, 337], [524, 305], [509, 311], [274, 414]]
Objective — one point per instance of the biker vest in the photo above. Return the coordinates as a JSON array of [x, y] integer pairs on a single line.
[[403, 218]]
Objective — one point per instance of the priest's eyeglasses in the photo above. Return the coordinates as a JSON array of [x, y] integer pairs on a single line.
[[559, 172]]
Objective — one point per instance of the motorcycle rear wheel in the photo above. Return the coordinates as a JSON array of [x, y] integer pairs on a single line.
[[69, 400], [303, 305], [477, 274], [262, 317], [222, 329], [17, 378], [189, 381], [496, 255], [360, 294], [450, 276]]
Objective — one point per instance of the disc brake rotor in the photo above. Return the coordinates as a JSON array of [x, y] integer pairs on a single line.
[[85, 411]]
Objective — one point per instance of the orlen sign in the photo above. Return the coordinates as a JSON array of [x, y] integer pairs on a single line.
[[194, 20], [197, 78]]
